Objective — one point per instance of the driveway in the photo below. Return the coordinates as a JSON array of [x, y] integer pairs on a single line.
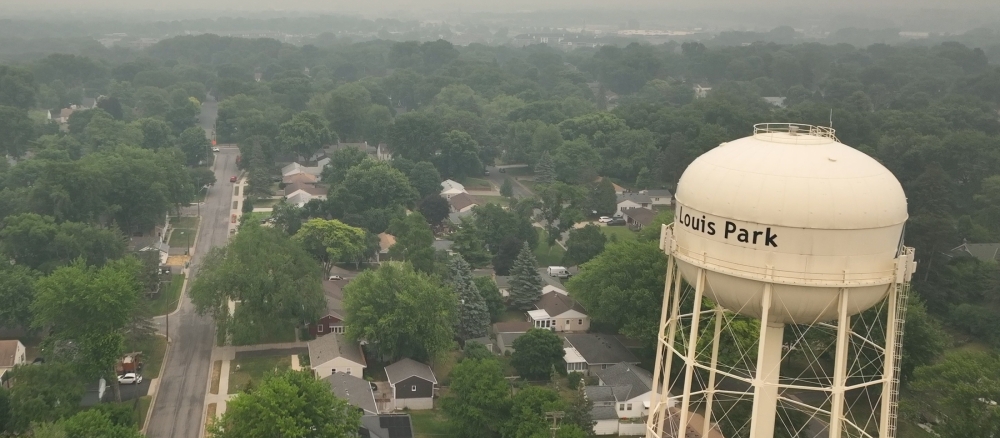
[[178, 408]]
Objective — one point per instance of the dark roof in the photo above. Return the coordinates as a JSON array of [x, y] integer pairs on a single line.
[[982, 251], [658, 193], [462, 200], [643, 216], [442, 245], [503, 281], [628, 380], [598, 394], [603, 413], [357, 391], [555, 304], [600, 349], [300, 178], [508, 338], [333, 291], [386, 426], [512, 327], [638, 198], [326, 348], [406, 368]]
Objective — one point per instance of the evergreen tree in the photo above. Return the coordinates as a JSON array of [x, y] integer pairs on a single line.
[[525, 282], [469, 243], [603, 199], [644, 180], [507, 189], [545, 169], [473, 314]]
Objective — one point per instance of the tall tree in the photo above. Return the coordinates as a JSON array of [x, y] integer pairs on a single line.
[[506, 255], [584, 244], [44, 393], [305, 134], [95, 422], [18, 131], [962, 386], [290, 404], [527, 412], [545, 170], [17, 87], [414, 241], [155, 133], [490, 292], [459, 156], [416, 135], [536, 353], [434, 208], [341, 161], [478, 401], [194, 144], [331, 241], [378, 185], [17, 291], [525, 282], [473, 315], [65, 305], [414, 321], [602, 199], [507, 189], [469, 244], [273, 278], [425, 178]]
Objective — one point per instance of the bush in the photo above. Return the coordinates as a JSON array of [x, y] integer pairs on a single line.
[[574, 379]]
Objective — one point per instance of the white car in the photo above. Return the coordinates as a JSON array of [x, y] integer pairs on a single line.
[[604, 219], [336, 277], [215, 149], [129, 379]]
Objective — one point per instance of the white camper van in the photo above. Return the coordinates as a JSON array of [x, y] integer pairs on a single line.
[[559, 272]]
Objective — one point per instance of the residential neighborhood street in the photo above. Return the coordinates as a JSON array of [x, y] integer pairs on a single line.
[[497, 178], [178, 408]]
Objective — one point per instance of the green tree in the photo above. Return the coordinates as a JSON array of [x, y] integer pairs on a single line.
[[584, 244], [17, 291], [414, 241], [194, 144], [17, 87], [469, 244], [273, 278], [414, 321], [478, 402], [602, 198], [434, 208], [644, 179], [506, 255], [496, 224], [95, 422], [290, 404], [651, 232], [66, 301], [578, 410], [378, 185], [305, 134], [507, 189], [345, 107], [491, 295], [155, 133], [475, 351], [459, 156], [425, 178], [626, 275], [924, 339], [536, 353], [473, 314], [331, 241], [545, 170], [416, 135], [341, 161], [525, 282], [44, 393], [18, 131], [527, 412], [962, 386]]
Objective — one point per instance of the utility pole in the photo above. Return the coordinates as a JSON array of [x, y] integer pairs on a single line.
[[556, 417]]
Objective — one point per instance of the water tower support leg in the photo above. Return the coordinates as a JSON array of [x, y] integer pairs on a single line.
[[889, 371], [765, 383], [710, 394], [661, 350], [691, 353], [840, 367], [675, 310]]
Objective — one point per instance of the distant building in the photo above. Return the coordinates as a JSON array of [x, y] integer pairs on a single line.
[[983, 251], [701, 92]]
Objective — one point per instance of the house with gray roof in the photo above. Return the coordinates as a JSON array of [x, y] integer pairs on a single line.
[[335, 353], [638, 217], [985, 252], [632, 200], [624, 391], [357, 391], [386, 426], [413, 384], [589, 353], [505, 341], [659, 196]]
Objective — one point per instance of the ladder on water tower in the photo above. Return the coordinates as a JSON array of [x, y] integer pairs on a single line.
[[902, 296]]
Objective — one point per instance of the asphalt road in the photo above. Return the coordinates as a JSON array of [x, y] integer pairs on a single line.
[[497, 179], [209, 113], [180, 399]]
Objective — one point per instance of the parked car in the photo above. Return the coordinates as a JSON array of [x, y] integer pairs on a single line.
[[215, 149], [604, 219], [232, 179], [616, 222], [129, 379], [503, 170], [336, 277]]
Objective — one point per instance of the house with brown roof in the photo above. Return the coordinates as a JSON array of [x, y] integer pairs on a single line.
[[299, 194], [336, 354], [638, 217], [462, 202], [559, 312]]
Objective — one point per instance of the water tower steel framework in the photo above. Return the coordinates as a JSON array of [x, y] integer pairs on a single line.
[[786, 229]]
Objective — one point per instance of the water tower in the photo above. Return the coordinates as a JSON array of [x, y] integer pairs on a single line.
[[785, 292]]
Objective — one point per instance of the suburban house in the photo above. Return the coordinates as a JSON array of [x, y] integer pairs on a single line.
[[335, 353], [659, 197], [299, 194], [624, 392], [413, 384], [632, 200], [11, 354], [385, 241], [386, 426], [451, 188], [88, 103], [332, 320], [503, 283], [162, 248], [589, 353], [559, 312], [638, 217], [508, 331], [442, 245], [383, 153], [296, 168], [462, 202], [556, 289], [983, 251], [505, 341], [300, 178], [357, 391]]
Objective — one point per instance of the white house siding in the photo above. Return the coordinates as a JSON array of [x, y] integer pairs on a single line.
[[572, 321], [340, 364], [415, 404], [627, 204], [631, 429], [637, 410], [606, 427]]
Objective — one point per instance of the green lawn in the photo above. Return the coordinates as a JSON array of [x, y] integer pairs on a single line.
[[166, 300], [546, 255], [265, 203], [442, 365], [430, 424], [499, 200], [477, 184], [141, 408], [188, 222], [244, 371], [257, 217], [152, 350], [512, 315], [620, 233]]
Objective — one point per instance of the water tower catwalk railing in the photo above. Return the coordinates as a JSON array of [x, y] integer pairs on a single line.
[[701, 391]]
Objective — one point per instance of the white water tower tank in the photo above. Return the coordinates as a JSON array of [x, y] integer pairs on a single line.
[[794, 207]]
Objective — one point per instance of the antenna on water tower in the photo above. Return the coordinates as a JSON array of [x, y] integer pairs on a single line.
[[762, 251], [831, 118]]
